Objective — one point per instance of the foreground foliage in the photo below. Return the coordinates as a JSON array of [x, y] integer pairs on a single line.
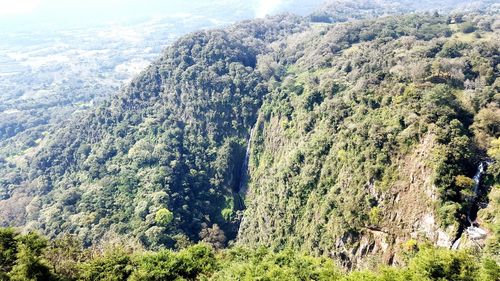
[[31, 257]]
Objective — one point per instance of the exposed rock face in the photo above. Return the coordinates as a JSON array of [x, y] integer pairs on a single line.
[[409, 210]]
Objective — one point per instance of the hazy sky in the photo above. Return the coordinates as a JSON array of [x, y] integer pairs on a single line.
[[55, 11], [83, 12]]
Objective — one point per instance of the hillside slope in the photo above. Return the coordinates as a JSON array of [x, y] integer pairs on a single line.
[[172, 141], [373, 138]]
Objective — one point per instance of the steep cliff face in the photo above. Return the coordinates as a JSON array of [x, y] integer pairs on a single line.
[[366, 143]]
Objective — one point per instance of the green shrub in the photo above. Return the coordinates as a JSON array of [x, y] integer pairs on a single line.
[[467, 27], [227, 214], [443, 264], [8, 249], [464, 182], [114, 265], [163, 216], [30, 263], [375, 215]]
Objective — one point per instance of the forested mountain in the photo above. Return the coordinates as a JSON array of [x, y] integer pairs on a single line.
[[174, 139], [360, 143], [51, 73], [345, 10]]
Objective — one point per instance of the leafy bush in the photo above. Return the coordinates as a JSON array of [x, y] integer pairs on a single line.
[[443, 264], [464, 182], [188, 264], [22, 257], [163, 216], [467, 27], [114, 265]]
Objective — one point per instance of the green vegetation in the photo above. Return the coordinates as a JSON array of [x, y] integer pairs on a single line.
[[358, 141], [29, 257], [160, 160], [22, 257], [365, 134], [163, 217], [468, 27]]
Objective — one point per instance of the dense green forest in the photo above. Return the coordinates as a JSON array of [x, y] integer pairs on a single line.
[[172, 141], [280, 148]]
